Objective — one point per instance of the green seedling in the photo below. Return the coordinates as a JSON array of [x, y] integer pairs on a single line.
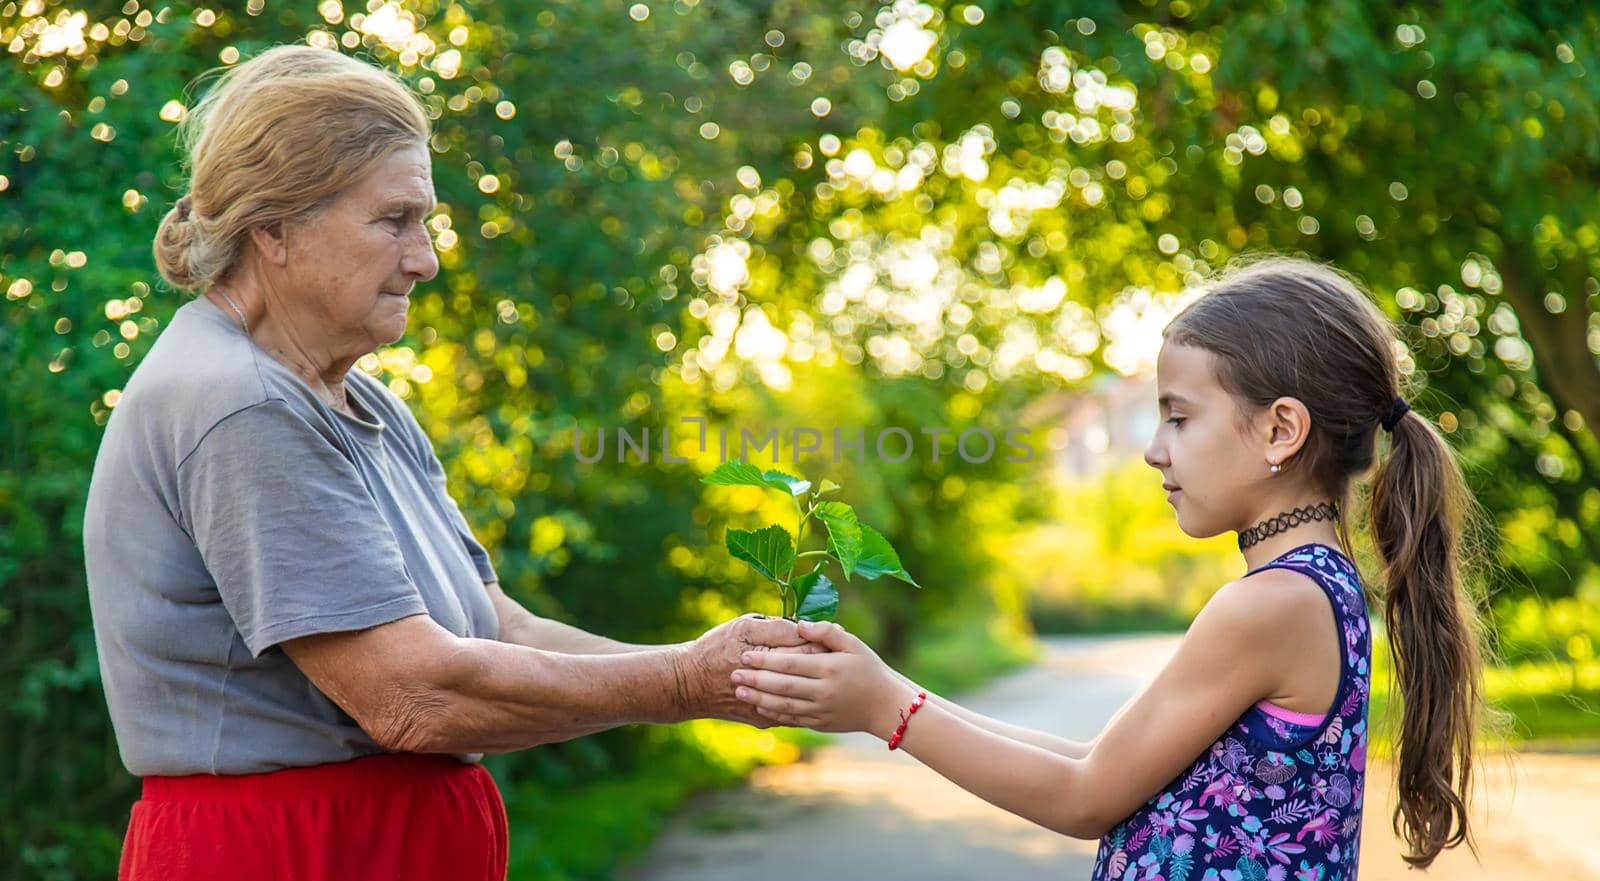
[[857, 549]]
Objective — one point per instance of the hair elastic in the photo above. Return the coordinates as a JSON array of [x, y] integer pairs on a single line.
[[1396, 410]]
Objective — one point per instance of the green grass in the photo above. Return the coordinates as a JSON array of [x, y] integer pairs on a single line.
[[1087, 618], [1555, 720]]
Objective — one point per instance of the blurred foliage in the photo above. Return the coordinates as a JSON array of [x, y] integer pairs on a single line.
[[1111, 557], [797, 214], [1563, 631]]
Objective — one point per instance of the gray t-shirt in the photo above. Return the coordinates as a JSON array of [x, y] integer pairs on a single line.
[[231, 510]]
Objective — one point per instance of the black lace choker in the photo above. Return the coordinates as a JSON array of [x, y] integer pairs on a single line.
[[1286, 521]]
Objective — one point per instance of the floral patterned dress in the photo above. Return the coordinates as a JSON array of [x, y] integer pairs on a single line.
[[1278, 796]]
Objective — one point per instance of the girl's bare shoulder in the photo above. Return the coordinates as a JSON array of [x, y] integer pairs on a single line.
[[1272, 602]]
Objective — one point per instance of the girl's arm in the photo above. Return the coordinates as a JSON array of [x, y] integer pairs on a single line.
[[1233, 655], [1072, 749]]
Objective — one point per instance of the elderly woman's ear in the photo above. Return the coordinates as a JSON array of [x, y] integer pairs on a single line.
[[269, 243]]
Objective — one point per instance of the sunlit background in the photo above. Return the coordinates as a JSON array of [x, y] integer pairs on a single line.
[[822, 215]]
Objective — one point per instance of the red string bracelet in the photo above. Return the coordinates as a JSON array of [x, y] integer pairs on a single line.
[[905, 719]]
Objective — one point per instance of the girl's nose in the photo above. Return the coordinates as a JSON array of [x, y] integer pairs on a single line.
[[1154, 455]]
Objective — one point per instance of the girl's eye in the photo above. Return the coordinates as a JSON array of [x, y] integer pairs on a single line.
[[1177, 420]]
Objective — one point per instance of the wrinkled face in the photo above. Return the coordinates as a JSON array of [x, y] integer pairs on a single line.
[[1200, 448], [351, 267]]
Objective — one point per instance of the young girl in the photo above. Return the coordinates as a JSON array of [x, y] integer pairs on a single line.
[[1245, 759]]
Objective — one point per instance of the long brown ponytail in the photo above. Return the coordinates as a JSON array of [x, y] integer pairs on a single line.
[[1284, 327], [1418, 501]]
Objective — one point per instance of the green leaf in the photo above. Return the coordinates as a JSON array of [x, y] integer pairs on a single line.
[[794, 485], [878, 558], [736, 473], [827, 486], [844, 533], [816, 599], [770, 550]]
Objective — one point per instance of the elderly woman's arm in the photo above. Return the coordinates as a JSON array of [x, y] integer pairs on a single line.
[[415, 687], [522, 627]]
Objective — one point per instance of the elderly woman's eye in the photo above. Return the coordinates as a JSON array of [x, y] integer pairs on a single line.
[[397, 223]]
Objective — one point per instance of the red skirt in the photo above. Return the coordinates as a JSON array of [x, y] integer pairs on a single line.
[[396, 816]]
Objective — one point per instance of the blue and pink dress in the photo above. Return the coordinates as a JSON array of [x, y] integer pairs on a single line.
[[1277, 797]]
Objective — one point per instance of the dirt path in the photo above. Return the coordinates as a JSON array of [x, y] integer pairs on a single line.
[[857, 811]]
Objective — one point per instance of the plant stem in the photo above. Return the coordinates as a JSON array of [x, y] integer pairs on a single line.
[[799, 557], [799, 536]]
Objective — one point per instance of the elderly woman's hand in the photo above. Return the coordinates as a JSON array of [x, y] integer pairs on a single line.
[[708, 664]]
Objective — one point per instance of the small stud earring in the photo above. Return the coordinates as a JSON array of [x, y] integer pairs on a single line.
[[1276, 468]]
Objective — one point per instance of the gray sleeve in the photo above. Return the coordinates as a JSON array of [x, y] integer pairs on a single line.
[[422, 447], [480, 556], [289, 531]]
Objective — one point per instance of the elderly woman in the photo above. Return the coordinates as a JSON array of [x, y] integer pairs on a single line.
[[305, 651]]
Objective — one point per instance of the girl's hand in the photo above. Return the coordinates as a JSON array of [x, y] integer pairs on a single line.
[[849, 688]]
